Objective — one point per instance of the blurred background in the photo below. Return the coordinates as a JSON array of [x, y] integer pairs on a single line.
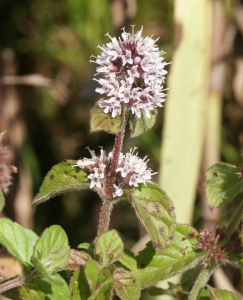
[[47, 92]]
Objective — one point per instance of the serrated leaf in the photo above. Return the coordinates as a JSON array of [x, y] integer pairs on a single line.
[[40, 289], [109, 247], [126, 285], [2, 201], [79, 286], [18, 240], [216, 294], [62, 178], [140, 125], [52, 249], [96, 275], [100, 121], [223, 184], [180, 257], [156, 212]]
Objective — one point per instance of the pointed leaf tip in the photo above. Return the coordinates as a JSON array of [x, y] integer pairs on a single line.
[[62, 178]]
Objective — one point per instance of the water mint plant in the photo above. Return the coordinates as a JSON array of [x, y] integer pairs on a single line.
[[131, 74]]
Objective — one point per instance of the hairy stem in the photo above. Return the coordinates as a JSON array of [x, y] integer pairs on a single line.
[[115, 158], [12, 284], [105, 214], [200, 283]]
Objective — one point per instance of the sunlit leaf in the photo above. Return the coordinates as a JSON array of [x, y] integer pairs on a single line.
[[156, 212], [52, 249], [18, 240], [109, 247], [223, 184], [139, 126], [216, 294], [180, 257], [126, 285], [62, 178], [79, 286], [104, 122]]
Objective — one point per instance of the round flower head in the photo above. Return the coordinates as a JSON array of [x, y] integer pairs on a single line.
[[131, 171], [133, 70]]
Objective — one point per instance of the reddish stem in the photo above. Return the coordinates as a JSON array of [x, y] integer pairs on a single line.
[[12, 284], [115, 158]]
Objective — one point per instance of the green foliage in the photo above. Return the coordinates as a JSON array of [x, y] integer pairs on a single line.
[[109, 247], [52, 249], [100, 121], [18, 240], [62, 178], [40, 289], [223, 184], [216, 294], [79, 286], [180, 257], [126, 285], [143, 124], [156, 212]]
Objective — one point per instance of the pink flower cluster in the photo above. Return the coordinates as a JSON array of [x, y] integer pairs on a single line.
[[131, 170], [134, 74]]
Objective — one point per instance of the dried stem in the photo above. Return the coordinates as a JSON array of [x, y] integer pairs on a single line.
[[12, 284]]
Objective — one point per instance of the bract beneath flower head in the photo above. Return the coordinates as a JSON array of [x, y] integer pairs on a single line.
[[134, 74]]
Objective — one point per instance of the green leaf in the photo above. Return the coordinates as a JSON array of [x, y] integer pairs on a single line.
[[18, 240], [128, 260], [40, 289], [180, 257], [2, 201], [104, 122], [139, 126], [52, 249], [223, 184], [126, 285], [105, 293], [97, 276], [216, 294], [109, 247], [79, 286], [156, 212], [62, 178]]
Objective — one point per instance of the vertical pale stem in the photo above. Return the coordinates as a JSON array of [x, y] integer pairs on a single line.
[[200, 283]]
